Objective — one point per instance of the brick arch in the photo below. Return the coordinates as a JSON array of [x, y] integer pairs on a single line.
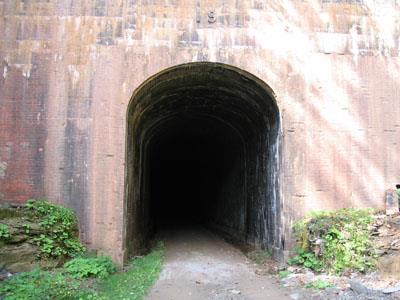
[[208, 119]]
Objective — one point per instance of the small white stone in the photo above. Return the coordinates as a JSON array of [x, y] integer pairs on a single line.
[[294, 296], [235, 292], [392, 289]]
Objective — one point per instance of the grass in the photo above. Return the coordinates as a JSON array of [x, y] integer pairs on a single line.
[[86, 279], [136, 281], [43, 285]]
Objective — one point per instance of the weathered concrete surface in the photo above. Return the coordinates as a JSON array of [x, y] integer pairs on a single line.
[[68, 69]]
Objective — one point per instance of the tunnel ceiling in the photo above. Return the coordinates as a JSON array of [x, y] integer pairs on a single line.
[[205, 90], [222, 101]]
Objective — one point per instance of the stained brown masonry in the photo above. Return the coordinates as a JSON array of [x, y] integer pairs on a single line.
[[239, 115]]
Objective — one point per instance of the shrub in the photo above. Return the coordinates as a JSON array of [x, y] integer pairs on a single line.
[[99, 267], [335, 241], [60, 226]]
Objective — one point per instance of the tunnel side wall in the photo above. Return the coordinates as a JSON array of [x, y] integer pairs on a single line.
[[250, 211], [68, 69]]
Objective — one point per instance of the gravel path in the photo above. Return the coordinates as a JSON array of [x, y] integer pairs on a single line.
[[200, 265]]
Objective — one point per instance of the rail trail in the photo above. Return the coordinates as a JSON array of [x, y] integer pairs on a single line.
[[200, 265]]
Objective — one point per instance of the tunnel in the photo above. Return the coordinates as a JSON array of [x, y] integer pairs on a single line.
[[203, 148]]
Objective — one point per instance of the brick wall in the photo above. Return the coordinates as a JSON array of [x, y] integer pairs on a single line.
[[69, 68]]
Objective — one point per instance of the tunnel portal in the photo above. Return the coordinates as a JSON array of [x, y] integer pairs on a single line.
[[203, 148]]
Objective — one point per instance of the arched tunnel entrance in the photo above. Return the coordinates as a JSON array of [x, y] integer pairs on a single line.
[[203, 145]]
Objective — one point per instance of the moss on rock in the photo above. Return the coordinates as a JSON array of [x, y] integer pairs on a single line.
[[38, 235]]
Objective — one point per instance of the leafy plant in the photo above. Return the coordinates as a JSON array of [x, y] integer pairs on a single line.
[[39, 284], [335, 241], [319, 284], [306, 259], [99, 267], [59, 223], [27, 228], [86, 279], [4, 232]]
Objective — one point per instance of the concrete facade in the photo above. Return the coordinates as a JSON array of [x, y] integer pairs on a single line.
[[68, 69]]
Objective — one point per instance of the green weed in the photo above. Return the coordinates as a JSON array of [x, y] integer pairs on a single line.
[[335, 241], [73, 283], [284, 274], [306, 259], [60, 226], [136, 281], [43, 285], [97, 267], [4, 232], [319, 284]]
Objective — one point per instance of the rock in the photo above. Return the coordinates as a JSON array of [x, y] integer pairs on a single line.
[[18, 258], [358, 287], [22, 266], [260, 272], [396, 241], [23, 226], [392, 203], [281, 268], [389, 265], [49, 264], [380, 252], [17, 238], [293, 269], [391, 290], [384, 231], [19, 253], [4, 274], [378, 221]]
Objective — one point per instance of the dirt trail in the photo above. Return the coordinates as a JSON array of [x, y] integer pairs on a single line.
[[200, 265]]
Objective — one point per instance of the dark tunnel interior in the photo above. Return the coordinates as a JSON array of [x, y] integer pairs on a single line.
[[203, 148], [193, 169]]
